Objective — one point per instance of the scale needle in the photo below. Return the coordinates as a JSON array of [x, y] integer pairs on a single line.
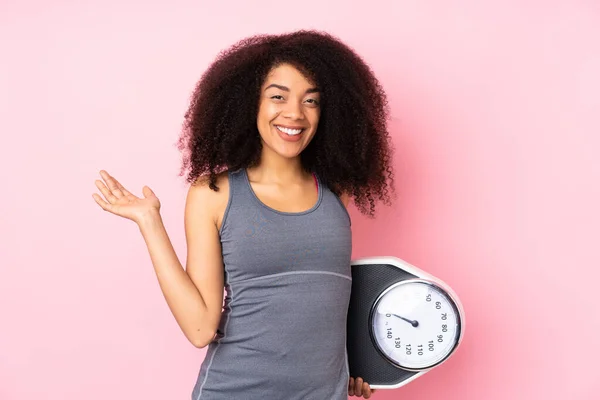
[[414, 323]]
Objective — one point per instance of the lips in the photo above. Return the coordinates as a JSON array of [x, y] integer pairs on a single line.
[[289, 134]]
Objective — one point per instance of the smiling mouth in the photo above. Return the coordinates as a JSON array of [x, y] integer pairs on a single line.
[[289, 131]]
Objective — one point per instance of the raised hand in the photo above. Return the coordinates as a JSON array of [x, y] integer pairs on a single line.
[[356, 387], [121, 202]]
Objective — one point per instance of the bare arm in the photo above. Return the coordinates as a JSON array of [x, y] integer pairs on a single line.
[[203, 213], [356, 387], [183, 298], [195, 296]]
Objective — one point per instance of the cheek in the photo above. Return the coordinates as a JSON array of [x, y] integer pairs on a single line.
[[314, 118], [267, 112]]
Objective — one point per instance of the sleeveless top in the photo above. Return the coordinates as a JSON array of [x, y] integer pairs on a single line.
[[282, 333]]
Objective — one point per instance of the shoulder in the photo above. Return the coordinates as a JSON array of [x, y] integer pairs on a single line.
[[202, 201], [345, 198]]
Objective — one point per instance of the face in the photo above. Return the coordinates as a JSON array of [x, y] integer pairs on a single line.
[[288, 112]]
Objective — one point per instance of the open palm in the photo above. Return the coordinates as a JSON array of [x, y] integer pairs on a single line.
[[121, 202]]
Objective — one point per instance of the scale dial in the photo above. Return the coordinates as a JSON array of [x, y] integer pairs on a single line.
[[415, 324]]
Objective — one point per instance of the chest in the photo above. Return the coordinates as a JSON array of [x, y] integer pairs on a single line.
[[262, 243], [289, 198]]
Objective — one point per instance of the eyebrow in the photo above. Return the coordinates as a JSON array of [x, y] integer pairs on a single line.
[[286, 89]]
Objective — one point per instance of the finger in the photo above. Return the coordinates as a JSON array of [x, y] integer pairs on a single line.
[[112, 184], [147, 192], [358, 385], [351, 387], [103, 204], [125, 191], [107, 193], [366, 390]]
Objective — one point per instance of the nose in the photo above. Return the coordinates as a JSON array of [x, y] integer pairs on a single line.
[[293, 110]]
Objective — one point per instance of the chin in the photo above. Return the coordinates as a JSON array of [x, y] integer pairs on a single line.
[[288, 154], [283, 149]]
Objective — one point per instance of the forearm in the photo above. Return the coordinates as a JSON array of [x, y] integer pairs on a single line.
[[183, 298]]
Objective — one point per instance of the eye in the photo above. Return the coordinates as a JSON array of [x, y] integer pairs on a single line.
[[313, 101], [277, 97]]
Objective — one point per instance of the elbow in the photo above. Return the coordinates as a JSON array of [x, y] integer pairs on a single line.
[[200, 344], [201, 341]]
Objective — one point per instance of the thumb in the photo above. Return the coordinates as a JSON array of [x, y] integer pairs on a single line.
[[147, 192]]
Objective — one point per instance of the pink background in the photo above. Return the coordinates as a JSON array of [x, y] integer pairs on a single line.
[[495, 122]]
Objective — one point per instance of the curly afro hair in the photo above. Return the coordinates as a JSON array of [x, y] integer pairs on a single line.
[[351, 151]]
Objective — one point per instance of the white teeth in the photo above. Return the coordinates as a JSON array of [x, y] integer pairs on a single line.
[[291, 132]]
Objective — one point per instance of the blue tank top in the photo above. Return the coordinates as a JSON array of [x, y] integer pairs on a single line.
[[282, 333]]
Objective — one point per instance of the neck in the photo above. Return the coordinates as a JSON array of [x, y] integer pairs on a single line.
[[276, 169]]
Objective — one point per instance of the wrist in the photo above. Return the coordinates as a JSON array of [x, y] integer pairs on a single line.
[[149, 219]]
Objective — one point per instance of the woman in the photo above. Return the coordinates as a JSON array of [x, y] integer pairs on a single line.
[[281, 131]]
